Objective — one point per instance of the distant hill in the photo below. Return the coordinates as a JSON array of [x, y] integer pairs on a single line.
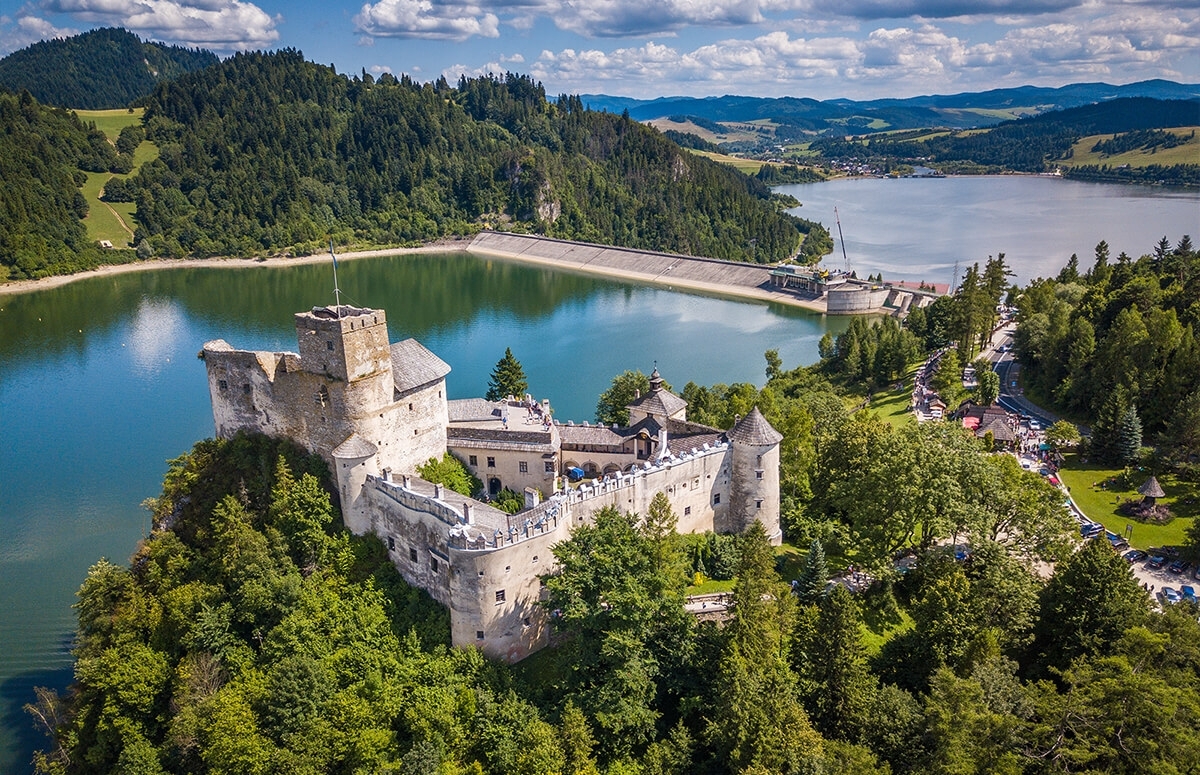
[[1040, 143], [956, 111], [105, 68]]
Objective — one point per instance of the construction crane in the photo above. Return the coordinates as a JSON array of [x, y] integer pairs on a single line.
[[841, 239]]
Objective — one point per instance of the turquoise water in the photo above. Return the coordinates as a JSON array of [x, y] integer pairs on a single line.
[[919, 228], [100, 386]]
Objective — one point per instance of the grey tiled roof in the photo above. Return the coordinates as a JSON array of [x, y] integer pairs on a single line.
[[474, 410], [754, 429], [354, 446], [498, 434], [592, 434], [660, 402], [413, 365]]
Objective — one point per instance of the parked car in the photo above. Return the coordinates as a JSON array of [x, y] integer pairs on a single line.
[[1179, 566], [1156, 562], [1170, 595], [1134, 555], [1189, 593], [1090, 529]]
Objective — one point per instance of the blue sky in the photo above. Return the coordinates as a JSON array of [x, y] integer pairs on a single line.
[[861, 49]]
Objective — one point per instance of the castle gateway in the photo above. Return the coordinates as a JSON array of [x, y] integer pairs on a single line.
[[376, 410]]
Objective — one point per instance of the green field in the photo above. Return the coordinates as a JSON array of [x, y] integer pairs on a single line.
[[892, 406], [1188, 153], [112, 221], [748, 166], [1100, 503], [111, 122]]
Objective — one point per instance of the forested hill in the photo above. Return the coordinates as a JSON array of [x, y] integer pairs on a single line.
[[266, 153], [1030, 144], [105, 68], [44, 155]]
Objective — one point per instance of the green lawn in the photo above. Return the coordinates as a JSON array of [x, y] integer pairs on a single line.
[[892, 406], [111, 122], [1100, 504], [710, 587]]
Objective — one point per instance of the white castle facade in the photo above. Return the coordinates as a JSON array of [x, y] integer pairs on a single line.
[[375, 411]]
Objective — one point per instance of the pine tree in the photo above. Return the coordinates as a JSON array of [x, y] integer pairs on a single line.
[[838, 666], [811, 584], [1129, 436], [508, 378]]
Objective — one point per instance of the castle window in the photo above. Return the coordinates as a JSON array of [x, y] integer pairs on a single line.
[[322, 396], [222, 384], [549, 466], [526, 622], [412, 555], [523, 467], [499, 595], [479, 635], [329, 344], [246, 388], [473, 460], [480, 574], [391, 543], [535, 559], [410, 407], [716, 498], [758, 474], [491, 462], [433, 564], [507, 568], [758, 503], [687, 510]]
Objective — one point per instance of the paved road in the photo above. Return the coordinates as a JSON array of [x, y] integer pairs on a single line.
[[1009, 370]]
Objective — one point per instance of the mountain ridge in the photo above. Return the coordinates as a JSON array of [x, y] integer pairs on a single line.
[[896, 113]]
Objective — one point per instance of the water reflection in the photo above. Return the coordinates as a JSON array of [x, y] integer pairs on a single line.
[[99, 386]]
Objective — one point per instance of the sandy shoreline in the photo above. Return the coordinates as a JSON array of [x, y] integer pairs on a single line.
[[442, 246], [717, 289]]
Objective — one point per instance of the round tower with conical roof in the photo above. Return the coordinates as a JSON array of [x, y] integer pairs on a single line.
[[754, 479]]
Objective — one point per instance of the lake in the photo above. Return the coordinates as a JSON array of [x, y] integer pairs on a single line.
[[919, 228], [100, 385]]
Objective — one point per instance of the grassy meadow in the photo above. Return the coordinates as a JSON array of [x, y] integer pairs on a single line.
[[1098, 498], [112, 221], [1187, 153]]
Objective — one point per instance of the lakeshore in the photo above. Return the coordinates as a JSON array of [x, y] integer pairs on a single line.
[[665, 270]]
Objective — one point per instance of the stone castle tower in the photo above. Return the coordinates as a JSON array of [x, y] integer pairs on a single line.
[[754, 483], [363, 404]]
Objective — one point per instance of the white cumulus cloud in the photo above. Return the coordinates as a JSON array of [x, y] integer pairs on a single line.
[[223, 25], [426, 19]]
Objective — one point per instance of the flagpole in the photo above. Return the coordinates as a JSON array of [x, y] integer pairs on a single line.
[[337, 292]]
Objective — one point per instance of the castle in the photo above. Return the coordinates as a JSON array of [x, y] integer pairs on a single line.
[[375, 411]]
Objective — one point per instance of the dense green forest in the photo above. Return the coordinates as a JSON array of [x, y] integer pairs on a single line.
[[1116, 342], [266, 153], [44, 153], [252, 634], [103, 68], [1024, 145]]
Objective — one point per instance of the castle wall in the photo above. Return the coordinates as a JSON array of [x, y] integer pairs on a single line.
[[413, 428], [514, 627]]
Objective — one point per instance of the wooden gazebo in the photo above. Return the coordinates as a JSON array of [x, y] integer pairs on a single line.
[[1151, 490]]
